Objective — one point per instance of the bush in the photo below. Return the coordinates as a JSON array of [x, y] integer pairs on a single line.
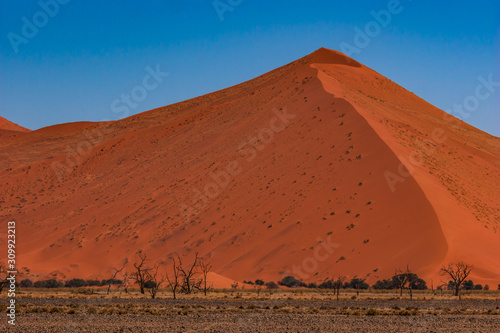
[[52, 283], [75, 283], [356, 283], [259, 282], [371, 312], [326, 285], [312, 285], [419, 284], [384, 284], [149, 284], [110, 281], [468, 285], [92, 283], [271, 285], [478, 287], [26, 283], [291, 282]]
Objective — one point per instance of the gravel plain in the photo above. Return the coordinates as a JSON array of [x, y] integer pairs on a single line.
[[255, 314]]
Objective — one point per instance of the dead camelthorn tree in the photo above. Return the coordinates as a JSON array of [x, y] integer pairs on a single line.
[[402, 278], [3, 276], [337, 284], [125, 282], [406, 277], [140, 272], [187, 274], [155, 280], [205, 268], [457, 272], [173, 281], [117, 271], [411, 278]]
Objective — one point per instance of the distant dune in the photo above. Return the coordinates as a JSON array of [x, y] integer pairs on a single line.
[[10, 126], [301, 171]]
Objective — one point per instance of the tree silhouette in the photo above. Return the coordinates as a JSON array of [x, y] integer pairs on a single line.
[[457, 272]]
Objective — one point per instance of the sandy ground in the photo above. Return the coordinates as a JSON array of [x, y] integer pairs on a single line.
[[251, 322], [255, 313]]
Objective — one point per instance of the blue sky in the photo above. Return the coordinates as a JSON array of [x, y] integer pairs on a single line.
[[86, 54]]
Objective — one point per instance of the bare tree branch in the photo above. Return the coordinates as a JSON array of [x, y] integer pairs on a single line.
[[155, 280], [173, 282], [110, 281], [187, 274], [140, 274], [205, 269], [457, 272]]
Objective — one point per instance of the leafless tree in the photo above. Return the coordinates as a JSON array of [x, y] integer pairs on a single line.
[[3, 276], [116, 271], [442, 287], [173, 281], [155, 280], [432, 287], [457, 272], [412, 278], [258, 288], [337, 284], [205, 268], [187, 274], [126, 277], [402, 278], [140, 272]]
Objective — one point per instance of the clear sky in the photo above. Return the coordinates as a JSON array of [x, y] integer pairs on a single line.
[[75, 60]]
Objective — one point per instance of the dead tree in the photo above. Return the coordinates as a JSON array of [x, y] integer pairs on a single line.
[[412, 278], [256, 287], [337, 284], [155, 280], [140, 272], [187, 275], [110, 281], [442, 287], [457, 272], [125, 282], [205, 268], [3, 276], [173, 282], [402, 278]]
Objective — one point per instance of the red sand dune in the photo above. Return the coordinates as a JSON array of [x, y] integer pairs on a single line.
[[307, 193], [10, 126], [8, 129]]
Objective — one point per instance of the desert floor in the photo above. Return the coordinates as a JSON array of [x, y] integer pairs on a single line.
[[243, 311]]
